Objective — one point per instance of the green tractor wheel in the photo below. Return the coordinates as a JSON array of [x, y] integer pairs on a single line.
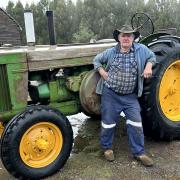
[[36, 143], [160, 101]]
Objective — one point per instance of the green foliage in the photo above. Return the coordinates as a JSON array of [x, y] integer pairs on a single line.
[[87, 19], [40, 21], [83, 35], [10, 7]]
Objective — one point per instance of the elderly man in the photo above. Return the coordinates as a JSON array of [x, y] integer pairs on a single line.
[[127, 64]]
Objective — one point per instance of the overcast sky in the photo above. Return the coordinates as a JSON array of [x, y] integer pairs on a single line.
[[3, 3]]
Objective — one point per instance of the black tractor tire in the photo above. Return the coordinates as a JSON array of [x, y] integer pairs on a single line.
[[156, 124], [19, 126]]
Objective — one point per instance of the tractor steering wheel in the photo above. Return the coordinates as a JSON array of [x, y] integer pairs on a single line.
[[143, 23]]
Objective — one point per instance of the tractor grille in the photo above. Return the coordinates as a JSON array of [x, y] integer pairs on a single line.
[[5, 103]]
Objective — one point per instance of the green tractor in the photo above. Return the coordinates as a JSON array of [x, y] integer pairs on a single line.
[[40, 85]]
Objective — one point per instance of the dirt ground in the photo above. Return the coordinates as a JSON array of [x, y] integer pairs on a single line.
[[87, 161]]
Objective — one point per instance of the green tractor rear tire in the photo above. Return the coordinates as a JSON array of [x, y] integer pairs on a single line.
[[36, 143], [160, 101]]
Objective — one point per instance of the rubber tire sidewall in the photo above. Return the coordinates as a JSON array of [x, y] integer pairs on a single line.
[[17, 129], [172, 125], [164, 128]]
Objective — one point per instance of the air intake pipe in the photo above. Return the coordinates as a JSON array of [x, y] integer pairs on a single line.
[[29, 26]]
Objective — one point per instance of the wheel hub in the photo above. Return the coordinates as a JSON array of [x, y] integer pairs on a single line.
[[42, 144]]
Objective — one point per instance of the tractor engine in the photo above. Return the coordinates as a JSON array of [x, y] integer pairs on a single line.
[[61, 85]]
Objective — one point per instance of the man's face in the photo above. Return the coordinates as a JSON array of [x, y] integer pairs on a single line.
[[126, 40]]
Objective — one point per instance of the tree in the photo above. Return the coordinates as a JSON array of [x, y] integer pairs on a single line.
[[61, 22], [166, 16], [84, 35], [10, 8], [40, 22], [93, 18]]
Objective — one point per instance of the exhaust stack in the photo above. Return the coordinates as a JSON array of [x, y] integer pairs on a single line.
[[29, 26], [52, 36]]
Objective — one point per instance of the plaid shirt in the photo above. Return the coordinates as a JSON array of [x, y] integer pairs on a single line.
[[122, 75]]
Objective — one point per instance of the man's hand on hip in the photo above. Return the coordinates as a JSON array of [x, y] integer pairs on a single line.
[[103, 73]]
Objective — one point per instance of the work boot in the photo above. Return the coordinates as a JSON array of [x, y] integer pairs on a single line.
[[145, 160], [109, 155]]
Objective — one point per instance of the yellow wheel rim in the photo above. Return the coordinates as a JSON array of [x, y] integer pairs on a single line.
[[41, 144], [169, 92], [1, 129]]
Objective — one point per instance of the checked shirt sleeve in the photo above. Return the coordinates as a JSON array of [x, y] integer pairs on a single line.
[[101, 58]]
